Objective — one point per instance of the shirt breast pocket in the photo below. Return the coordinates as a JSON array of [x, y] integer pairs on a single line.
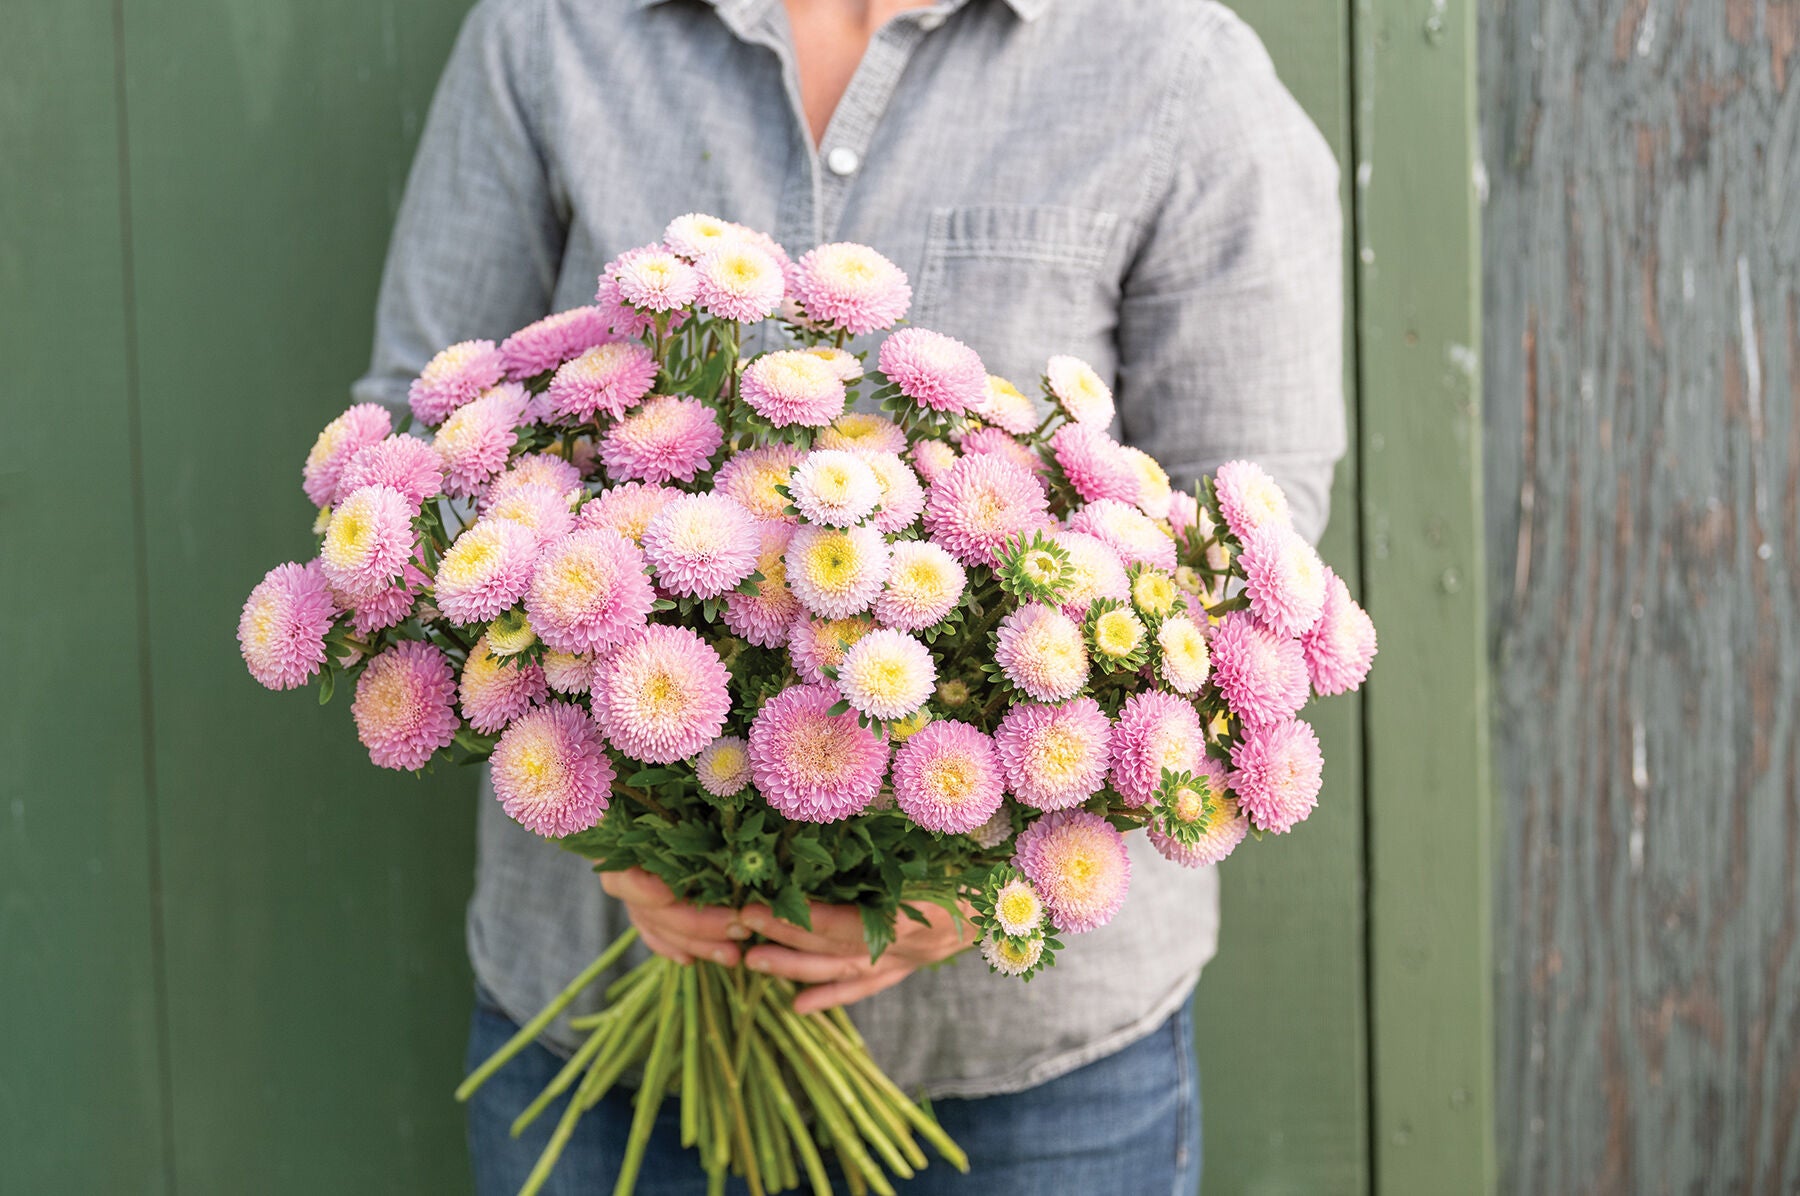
[[1020, 282]]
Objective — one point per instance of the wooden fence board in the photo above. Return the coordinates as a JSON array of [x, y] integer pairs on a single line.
[[1418, 317], [1643, 368], [318, 990], [79, 1039], [1294, 1119]]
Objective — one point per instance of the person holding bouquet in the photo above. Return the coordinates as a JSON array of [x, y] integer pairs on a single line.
[[1124, 180]]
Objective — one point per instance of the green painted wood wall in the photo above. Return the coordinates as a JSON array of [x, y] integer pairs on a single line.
[[230, 952], [1643, 286]]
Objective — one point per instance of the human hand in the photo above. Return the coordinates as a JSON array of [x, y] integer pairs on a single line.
[[833, 957], [675, 928]]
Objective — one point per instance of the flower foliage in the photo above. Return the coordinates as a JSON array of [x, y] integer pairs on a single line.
[[844, 621]]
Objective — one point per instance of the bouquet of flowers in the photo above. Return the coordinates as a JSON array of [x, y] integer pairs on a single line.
[[804, 628]]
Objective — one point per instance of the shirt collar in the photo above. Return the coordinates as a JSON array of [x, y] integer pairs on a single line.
[[1027, 10]]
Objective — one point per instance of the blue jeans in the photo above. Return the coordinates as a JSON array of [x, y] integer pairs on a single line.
[[1125, 1125]]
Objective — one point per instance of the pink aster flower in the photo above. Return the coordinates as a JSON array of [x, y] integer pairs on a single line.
[[819, 644], [535, 469], [845, 364], [763, 618], [701, 545], [388, 606], [369, 541], [1154, 493], [1007, 408], [551, 772], [1054, 757], [1079, 866], [546, 344], [1155, 731], [851, 287], [626, 508], [993, 440], [811, 765], [933, 458], [723, 766], [666, 439], [946, 778], [1249, 498], [589, 592], [1079, 390], [934, 370], [1184, 512], [282, 630], [542, 508], [924, 584], [1226, 824], [495, 691], [663, 695], [652, 279], [568, 672], [474, 442], [791, 387], [608, 378], [1283, 578], [406, 463], [750, 477], [834, 488], [691, 235], [403, 707], [887, 674], [1128, 531], [1040, 650], [1260, 674], [740, 281], [1340, 647], [902, 498], [456, 376], [981, 502], [486, 570], [835, 571], [1095, 463], [863, 432], [356, 429], [1097, 572], [1183, 658], [1275, 772]]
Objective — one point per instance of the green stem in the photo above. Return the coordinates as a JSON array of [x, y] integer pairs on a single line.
[[856, 1053], [807, 1051], [656, 1081], [714, 976], [528, 1033], [790, 1114], [690, 1058]]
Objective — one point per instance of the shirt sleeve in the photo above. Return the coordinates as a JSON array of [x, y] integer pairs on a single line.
[[478, 242], [1231, 314]]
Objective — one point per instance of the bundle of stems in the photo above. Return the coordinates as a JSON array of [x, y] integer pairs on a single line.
[[766, 1093]]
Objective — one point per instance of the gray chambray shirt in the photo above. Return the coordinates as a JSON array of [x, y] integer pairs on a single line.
[[1124, 180]]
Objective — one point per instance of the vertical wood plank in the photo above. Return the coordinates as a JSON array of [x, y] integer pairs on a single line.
[[1293, 1118], [1643, 371], [1427, 775], [79, 1039], [318, 990]]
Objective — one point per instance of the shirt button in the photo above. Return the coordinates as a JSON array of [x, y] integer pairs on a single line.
[[843, 160]]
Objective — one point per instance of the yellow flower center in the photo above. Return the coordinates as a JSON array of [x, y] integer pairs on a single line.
[[1041, 567], [1154, 592], [347, 539], [1058, 754], [951, 778], [1017, 906], [1118, 633], [728, 761], [831, 562]]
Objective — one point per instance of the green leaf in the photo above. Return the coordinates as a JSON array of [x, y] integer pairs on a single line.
[[878, 929], [327, 685], [790, 906]]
